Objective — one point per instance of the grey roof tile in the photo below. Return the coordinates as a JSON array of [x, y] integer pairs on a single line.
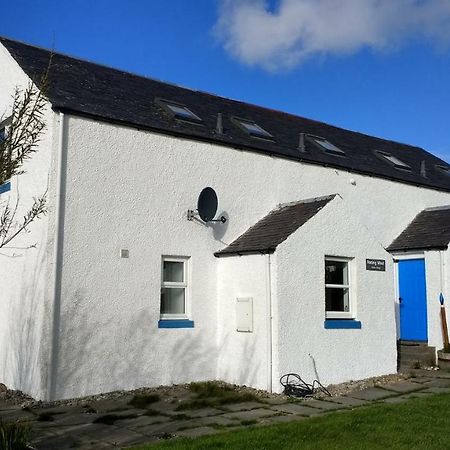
[[276, 227], [430, 229]]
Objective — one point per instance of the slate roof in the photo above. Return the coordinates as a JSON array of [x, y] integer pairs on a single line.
[[430, 229], [85, 88], [276, 227]]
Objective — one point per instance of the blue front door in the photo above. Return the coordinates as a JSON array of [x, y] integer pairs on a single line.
[[413, 300]]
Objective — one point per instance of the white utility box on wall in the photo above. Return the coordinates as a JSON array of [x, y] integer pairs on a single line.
[[244, 314]]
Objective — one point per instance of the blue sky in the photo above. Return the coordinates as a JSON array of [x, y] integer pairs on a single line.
[[383, 77]]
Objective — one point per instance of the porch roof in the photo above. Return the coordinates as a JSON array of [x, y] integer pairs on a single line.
[[430, 229], [275, 227]]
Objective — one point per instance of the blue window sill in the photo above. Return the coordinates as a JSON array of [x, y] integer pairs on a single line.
[[5, 187], [181, 323], [335, 324]]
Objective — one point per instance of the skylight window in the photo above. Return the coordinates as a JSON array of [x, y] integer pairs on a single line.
[[179, 111], [397, 163], [444, 169], [328, 147], [253, 129]]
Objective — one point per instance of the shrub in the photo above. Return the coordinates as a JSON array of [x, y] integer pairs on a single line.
[[214, 394], [14, 435], [140, 401]]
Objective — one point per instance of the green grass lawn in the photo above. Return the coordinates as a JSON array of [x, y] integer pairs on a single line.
[[422, 423]]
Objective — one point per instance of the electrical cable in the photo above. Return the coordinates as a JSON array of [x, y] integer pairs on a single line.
[[295, 386]]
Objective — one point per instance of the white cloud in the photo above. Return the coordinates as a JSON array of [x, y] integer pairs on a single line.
[[283, 36]]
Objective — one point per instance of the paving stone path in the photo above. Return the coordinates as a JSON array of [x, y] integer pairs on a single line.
[[112, 424]]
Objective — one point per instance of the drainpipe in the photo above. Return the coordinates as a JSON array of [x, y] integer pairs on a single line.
[[269, 324], [57, 261]]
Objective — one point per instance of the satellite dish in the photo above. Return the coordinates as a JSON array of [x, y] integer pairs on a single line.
[[207, 204], [206, 207]]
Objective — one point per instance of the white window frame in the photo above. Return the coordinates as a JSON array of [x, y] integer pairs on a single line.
[[350, 314], [173, 284]]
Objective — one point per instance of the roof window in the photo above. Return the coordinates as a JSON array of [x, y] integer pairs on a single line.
[[179, 111], [252, 128], [397, 163], [444, 169], [327, 146]]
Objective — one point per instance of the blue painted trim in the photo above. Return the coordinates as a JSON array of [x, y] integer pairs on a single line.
[[334, 324], [5, 187], [179, 323]]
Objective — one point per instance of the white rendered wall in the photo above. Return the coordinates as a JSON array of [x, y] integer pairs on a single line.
[[437, 282], [24, 263], [243, 356], [130, 189], [305, 346]]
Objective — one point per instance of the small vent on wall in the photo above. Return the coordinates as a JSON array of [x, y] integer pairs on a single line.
[[124, 253]]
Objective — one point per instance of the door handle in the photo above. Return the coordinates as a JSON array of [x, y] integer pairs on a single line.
[[400, 300]]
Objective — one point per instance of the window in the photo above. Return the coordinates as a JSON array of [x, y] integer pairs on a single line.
[[397, 163], [179, 111], [328, 147], [337, 288], [443, 169], [252, 128], [174, 288]]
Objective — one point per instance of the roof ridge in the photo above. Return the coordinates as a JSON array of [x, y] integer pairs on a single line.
[[308, 200], [437, 208]]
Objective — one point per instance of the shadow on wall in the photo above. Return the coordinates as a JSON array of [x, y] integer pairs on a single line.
[[219, 229], [24, 358], [100, 354], [244, 363]]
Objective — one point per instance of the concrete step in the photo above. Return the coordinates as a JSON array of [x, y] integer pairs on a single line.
[[419, 350], [412, 355]]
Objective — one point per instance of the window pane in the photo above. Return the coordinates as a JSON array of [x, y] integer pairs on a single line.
[[336, 272], [255, 129], [329, 147], [336, 299], [172, 301], [183, 112], [173, 271]]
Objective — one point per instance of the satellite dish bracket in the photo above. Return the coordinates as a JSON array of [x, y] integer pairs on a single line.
[[192, 215]]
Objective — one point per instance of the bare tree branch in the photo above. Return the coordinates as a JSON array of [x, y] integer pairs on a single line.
[[19, 139]]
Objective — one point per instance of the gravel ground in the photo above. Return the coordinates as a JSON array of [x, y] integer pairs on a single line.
[[175, 392], [345, 388]]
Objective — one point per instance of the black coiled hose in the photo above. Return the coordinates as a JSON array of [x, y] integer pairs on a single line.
[[294, 386]]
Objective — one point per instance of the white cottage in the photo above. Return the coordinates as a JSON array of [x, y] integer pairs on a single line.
[[124, 288]]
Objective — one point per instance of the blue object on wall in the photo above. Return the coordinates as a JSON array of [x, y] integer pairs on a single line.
[[182, 323], [413, 300], [5, 187], [335, 324]]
